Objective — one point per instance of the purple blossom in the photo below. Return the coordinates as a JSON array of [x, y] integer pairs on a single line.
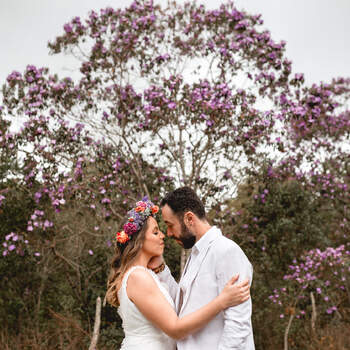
[[171, 105], [68, 28], [47, 223], [10, 235]]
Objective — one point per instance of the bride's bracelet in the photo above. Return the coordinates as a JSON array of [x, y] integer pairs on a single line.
[[160, 268]]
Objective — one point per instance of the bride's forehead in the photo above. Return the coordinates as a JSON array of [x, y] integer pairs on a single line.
[[152, 223]]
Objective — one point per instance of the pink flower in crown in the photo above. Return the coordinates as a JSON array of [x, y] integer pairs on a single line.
[[141, 204], [129, 228]]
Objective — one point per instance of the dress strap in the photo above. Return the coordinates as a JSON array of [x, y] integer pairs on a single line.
[[126, 276]]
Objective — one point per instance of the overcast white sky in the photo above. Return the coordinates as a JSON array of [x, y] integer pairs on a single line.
[[316, 31]]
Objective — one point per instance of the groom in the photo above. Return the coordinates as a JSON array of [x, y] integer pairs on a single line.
[[213, 261]]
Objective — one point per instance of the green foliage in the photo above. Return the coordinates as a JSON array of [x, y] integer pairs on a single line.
[[18, 272], [274, 221]]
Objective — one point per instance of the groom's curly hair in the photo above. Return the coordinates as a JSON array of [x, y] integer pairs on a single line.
[[182, 200]]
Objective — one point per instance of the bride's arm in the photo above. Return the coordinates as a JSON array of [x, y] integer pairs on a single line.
[[143, 291]]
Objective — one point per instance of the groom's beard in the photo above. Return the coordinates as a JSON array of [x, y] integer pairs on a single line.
[[187, 238]]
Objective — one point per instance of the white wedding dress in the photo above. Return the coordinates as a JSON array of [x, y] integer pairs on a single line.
[[139, 332]]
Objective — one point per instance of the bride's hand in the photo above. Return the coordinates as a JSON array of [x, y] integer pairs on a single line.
[[155, 262], [234, 293]]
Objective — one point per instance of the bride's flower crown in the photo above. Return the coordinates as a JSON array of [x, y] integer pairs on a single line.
[[136, 218]]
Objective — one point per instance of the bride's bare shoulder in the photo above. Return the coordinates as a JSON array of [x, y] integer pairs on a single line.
[[140, 280], [140, 275]]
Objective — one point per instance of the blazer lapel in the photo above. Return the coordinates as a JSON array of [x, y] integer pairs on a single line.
[[193, 269], [179, 294]]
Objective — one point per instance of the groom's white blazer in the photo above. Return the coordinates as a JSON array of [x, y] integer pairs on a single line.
[[213, 261]]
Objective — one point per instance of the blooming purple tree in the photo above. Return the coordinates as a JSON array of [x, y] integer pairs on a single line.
[[177, 87]]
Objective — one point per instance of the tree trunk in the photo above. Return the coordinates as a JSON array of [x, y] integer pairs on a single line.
[[97, 324], [314, 313], [287, 332]]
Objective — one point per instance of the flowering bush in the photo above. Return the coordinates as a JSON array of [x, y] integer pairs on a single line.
[[326, 274]]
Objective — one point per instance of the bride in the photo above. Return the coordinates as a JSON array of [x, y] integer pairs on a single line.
[[144, 303]]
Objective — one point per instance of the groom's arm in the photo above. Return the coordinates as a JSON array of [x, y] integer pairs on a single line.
[[166, 277], [237, 320]]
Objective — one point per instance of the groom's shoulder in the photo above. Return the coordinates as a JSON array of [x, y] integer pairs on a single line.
[[223, 244]]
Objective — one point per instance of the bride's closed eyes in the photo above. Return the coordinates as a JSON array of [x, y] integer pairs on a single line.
[[157, 231]]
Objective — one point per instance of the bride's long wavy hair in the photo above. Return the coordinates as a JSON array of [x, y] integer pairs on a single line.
[[121, 262]]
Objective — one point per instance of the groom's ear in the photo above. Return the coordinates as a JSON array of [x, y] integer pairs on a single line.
[[189, 218]]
